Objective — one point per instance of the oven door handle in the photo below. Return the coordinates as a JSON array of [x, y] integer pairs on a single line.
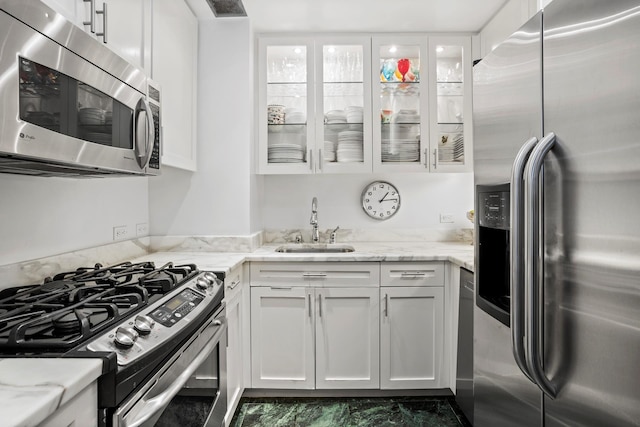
[[157, 403]]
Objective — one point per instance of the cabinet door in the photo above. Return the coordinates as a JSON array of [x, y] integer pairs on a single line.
[[450, 72], [235, 358], [343, 112], [174, 67], [400, 104], [347, 338], [411, 337], [72, 10], [128, 31], [285, 106], [282, 348]]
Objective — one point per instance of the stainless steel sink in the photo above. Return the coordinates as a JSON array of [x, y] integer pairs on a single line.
[[314, 248]]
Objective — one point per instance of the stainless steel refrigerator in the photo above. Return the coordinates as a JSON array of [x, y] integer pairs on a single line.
[[557, 172]]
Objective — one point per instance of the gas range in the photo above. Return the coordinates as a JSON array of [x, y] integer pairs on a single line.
[[136, 317]]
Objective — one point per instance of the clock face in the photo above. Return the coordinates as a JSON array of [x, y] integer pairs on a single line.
[[380, 200]]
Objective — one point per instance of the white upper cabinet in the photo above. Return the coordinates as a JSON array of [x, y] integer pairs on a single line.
[[400, 104], [174, 67], [359, 104], [314, 105], [450, 106], [122, 25]]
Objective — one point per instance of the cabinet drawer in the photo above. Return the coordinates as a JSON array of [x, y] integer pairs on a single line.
[[412, 273], [233, 283], [318, 274]]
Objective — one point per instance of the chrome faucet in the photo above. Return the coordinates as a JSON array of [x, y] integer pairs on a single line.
[[315, 235]]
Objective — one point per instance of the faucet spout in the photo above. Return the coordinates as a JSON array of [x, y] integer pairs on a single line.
[[315, 234]]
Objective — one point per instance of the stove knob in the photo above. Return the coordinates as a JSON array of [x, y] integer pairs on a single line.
[[143, 324], [211, 277], [125, 337], [203, 283]]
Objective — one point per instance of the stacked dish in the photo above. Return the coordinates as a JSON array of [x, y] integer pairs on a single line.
[[452, 148], [285, 153], [91, 116], [350, 146], [354, 114], [336, 117], [406, 117], [329, 154], [275, 114], [293, 116], [400, 150]]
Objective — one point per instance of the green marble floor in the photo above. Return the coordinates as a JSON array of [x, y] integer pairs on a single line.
[[348, 412]]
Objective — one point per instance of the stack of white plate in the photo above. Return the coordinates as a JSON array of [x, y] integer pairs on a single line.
[[354, 114], [335, 117], [329, 153], [400, 150], [293, 116], [91, 116], [285, 153], [453, 149], [406, 116], [350, 146]]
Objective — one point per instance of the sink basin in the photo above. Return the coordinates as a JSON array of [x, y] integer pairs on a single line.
[[314, 248]]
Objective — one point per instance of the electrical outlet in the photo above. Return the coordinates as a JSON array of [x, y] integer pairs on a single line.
[[446, 218], [142, 229], [120, 232]]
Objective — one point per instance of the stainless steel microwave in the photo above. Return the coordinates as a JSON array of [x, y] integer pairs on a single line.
[[69, 106]]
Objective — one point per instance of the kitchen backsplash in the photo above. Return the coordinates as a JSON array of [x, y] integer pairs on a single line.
[[373, 235]]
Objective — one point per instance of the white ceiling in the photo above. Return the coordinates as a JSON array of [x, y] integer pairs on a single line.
[[370, 15]]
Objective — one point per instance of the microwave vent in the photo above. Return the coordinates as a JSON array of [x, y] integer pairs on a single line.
[[227, 8]]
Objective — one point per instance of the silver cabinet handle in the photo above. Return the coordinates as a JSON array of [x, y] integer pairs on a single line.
[[103, 12], [309, 298], [91, 22], [386, 305], [320, 159], [435, 158], [320, 305], [311, 159], [533, 262], [314, 274], [288, 288], [413, 274], [426, 158], [517, 261]]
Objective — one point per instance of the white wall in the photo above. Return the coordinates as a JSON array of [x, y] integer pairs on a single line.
[[217, 199], [287, 200], [48, 216]]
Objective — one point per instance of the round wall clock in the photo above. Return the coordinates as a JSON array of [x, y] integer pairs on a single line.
[[380, 200]]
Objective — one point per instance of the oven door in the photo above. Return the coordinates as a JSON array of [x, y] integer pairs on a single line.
[[190, 389]]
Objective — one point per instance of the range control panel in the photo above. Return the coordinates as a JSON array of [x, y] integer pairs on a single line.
[[170, 313]]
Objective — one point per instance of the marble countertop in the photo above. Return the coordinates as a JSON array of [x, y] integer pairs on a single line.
[[33, 389], [458, 253]]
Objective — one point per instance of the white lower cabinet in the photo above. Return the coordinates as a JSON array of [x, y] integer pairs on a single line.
[[322, 338], [347, 338], [81, 410], [411, 337], [282, 344], [235, 349]]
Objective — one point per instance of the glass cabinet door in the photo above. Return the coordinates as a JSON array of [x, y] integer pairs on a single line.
[[451, 111], [400, 104], [286, 98], [343, 116]]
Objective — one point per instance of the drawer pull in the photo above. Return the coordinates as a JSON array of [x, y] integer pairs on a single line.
[[314, 274], [412, 274], [288, 288]]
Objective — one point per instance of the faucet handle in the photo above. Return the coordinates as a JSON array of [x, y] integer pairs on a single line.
[[333, 235]]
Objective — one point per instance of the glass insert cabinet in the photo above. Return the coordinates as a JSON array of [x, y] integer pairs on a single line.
[[358, 104]]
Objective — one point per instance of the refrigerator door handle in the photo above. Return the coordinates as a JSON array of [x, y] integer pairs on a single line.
[[533, 263], [517, 256]]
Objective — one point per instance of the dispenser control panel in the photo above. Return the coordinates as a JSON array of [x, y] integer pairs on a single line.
[[494, 209]]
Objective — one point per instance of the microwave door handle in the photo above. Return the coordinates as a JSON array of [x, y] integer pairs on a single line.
[[517, 261], [534, 177], [157, 404], [144, 133]]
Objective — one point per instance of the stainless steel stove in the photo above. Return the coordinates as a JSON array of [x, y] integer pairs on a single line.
[[156, 329]]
